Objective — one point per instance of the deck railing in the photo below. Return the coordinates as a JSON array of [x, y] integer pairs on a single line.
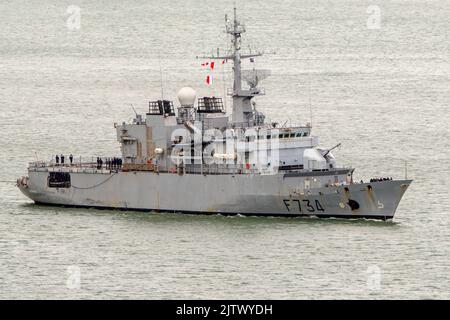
[[215, 169]]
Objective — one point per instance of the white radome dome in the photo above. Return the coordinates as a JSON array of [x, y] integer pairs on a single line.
[[187, 96]]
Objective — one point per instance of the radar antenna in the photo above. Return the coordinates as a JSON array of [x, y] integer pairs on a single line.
[[253, 77]]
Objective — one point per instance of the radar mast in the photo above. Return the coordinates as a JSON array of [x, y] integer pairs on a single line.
[[242, 115]]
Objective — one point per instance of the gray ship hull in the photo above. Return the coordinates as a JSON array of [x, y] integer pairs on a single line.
[[271, 195]]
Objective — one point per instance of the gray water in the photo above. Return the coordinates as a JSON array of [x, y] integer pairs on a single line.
[[382, 92]]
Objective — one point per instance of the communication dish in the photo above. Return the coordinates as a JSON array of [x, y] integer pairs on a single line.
[[187, 96], [253, 77]]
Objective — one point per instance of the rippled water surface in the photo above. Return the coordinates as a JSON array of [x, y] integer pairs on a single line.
[[382, 92]]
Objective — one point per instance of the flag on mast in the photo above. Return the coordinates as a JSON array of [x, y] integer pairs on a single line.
[[209, 80]]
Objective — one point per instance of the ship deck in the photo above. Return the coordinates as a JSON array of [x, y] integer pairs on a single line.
[[94, 168]]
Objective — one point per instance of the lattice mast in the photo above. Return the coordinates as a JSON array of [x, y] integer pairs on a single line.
[[242, 108]]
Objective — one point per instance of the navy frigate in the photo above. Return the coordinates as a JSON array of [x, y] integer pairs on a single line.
[[202, 160]]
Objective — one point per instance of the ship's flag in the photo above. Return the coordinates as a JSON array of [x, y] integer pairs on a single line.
[[209, 80], [212, 64], [204, 64], [224, 61]]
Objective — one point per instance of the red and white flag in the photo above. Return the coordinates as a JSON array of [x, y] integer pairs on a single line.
[[224, 61], [209, 80], [211, 65]]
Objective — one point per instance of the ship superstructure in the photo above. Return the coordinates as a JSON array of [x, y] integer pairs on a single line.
[[195, 158]]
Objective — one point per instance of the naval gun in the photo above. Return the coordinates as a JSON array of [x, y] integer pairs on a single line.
[[331, 149]]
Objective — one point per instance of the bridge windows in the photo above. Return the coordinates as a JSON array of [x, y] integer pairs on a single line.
[[286, 135], [281, 135]]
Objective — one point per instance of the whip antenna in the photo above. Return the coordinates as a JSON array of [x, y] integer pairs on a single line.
[[160, 75], [309, 94]]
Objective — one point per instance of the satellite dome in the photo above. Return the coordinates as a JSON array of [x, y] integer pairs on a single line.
[[187, 96]]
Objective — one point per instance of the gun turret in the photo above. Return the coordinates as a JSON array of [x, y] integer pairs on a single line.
[[331, 149]]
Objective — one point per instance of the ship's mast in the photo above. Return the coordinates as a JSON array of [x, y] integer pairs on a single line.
[[242, 109], [236, 32]]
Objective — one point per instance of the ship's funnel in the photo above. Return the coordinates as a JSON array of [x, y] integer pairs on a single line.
[[187, 96]]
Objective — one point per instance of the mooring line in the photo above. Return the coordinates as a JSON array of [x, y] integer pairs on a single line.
[[95, 186]]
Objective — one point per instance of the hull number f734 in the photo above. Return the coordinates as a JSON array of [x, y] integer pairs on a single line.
[[303, 205]]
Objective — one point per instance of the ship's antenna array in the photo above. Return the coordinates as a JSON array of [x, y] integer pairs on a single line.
[[242, 108]]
